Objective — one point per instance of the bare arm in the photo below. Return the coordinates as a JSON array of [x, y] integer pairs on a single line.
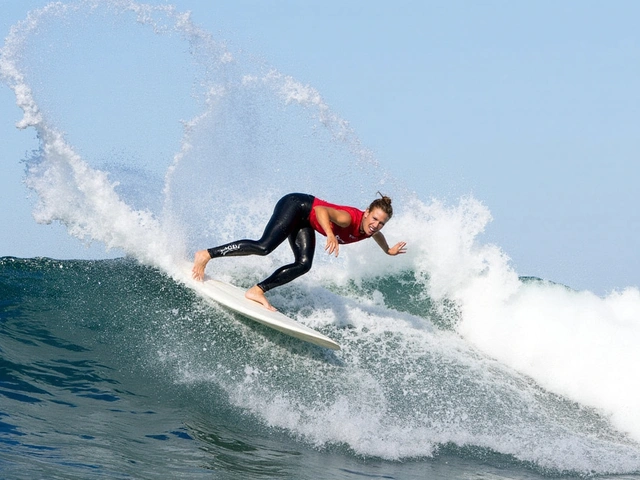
[[326, 216], [397, 249]]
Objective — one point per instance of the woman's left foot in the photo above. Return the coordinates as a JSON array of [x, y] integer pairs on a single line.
[[256, 294]]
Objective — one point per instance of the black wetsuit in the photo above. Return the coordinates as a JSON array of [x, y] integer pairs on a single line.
[[290, 219]]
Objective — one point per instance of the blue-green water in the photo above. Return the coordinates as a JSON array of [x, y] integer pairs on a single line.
[[114, 370], [452, 366]]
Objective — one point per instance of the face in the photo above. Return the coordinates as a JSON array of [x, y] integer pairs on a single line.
[[373, 221]]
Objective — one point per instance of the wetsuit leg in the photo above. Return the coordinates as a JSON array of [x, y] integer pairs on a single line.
[[289, 215], [303, 244]]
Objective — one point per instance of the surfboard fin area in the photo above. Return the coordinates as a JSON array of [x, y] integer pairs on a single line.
[[233, 298]]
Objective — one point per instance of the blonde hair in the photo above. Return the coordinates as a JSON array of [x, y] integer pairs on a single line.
[[383, 203]]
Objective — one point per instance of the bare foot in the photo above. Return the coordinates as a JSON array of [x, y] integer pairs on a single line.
[[256, 294], [200, 261]]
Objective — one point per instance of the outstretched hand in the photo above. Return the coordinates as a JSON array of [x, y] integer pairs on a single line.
[[398, 248]]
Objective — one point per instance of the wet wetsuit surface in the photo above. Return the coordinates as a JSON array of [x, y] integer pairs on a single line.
[[290, 220], [293, 218]]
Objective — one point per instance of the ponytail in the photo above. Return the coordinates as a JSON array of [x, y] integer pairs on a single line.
[[383, 203]]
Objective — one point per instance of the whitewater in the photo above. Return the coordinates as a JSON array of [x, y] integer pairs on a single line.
[[444, 347]]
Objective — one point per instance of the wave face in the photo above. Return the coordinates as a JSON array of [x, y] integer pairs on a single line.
[[114, 368], [446, 350]]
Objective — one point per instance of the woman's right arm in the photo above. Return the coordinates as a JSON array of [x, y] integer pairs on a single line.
[[326, 216]]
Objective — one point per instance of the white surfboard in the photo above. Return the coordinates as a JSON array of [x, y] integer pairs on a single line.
[[233, 298]]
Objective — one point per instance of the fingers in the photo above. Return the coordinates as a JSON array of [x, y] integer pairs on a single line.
[[399, 248], [332, 246]]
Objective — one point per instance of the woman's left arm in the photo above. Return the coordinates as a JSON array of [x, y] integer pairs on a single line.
[[397, 249]]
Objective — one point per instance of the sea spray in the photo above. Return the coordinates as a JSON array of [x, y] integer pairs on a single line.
[[401, 389], [69, 190], [574, 343], [237, 141], [407, 383]]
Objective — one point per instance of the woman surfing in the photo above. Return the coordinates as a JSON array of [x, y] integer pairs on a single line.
[[297, 216]]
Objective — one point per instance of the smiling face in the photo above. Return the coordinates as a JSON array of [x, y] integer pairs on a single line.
[[373, 221]]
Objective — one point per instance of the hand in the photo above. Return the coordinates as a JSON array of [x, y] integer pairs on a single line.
[[332, 245], [398, 248]]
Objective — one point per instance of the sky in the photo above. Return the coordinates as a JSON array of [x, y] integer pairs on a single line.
[[531, 107]]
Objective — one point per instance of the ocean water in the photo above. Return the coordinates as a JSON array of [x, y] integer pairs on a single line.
[[113, 369], [452, 366]]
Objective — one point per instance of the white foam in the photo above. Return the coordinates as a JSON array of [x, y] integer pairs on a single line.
[[573, 343]]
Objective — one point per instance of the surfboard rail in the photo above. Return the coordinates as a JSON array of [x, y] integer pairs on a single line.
[[233, 298]]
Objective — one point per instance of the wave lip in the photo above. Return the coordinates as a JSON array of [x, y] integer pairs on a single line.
[[471, 356]]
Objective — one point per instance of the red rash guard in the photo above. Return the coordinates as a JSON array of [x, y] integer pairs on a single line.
[[344, 235]]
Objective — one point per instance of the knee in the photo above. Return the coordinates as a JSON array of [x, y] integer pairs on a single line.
[[261, 247], [263, 250], [305, 265], [265, 246]]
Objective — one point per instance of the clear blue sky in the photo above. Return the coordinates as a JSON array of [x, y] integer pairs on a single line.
[[532, 107]]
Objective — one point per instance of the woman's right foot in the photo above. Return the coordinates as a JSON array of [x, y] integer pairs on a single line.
[[200, 261]]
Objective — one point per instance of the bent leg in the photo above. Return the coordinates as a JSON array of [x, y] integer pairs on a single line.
[[303, 244], [239, 248], [290, 212]]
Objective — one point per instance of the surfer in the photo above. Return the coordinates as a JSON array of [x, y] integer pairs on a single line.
[[297, 216]]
